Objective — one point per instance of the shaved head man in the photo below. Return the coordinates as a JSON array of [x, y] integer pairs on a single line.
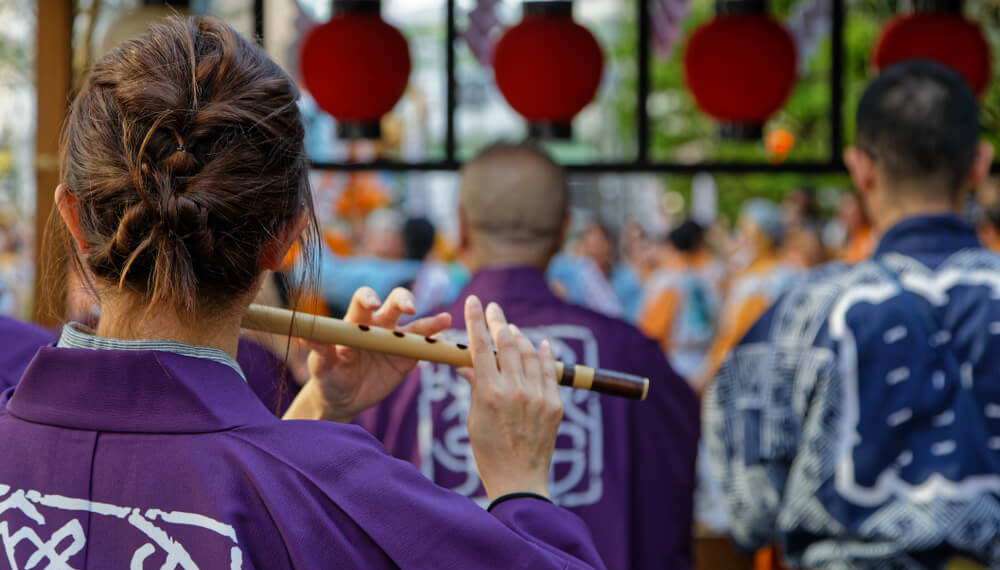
[[626, 468], [513, 205]]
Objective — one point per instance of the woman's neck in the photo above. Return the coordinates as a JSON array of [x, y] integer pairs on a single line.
[[123, 320]]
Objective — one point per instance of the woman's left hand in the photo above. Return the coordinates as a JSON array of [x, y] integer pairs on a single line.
[[345, 381]]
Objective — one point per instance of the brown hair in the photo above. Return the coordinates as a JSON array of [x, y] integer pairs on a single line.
[[184, 150]]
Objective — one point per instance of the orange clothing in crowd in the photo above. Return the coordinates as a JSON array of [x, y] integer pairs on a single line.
[[308, 301], [679, 309], [656, 319], [751, 293], [990, 237], [860, 246]]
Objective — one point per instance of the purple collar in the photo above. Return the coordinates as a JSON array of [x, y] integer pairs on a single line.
[[133, 391], [507, 283]]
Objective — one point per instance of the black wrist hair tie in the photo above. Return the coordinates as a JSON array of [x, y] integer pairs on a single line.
[[509, 496]]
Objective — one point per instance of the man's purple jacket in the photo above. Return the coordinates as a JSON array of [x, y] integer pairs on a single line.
[[625, 467], [150, 459], [18, 344]]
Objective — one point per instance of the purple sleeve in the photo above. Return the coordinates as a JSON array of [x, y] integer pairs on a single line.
[[374, 421], [549, 527], [664, 433], [267, 376], [393, 421], [414, 522]]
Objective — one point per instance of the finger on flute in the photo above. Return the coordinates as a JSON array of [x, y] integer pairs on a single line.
[[335, 331]]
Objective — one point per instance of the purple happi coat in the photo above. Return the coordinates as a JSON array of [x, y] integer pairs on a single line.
[[267, 376], [627, 468], [149, 459], [264, 372], [18, 343]]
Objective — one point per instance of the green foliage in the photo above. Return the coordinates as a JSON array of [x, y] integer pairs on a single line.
[[679, 132]]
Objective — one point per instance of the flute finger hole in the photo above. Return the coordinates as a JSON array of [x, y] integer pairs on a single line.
[[365, 328], [430, 340], [398, 334]]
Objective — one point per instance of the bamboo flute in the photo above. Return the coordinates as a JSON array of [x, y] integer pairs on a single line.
[[335, 331]]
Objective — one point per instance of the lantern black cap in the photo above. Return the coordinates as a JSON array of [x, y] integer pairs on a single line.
[[550, 130], [355, 130], [356, 6], [547, 7], [952, 6], [741, 131], [736, 7]]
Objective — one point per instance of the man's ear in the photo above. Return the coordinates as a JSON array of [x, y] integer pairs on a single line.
[[980, 169], [66, 202], [861, 167], [275, 251]]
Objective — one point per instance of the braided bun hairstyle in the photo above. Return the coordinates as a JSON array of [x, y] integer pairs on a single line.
[[184, 150]]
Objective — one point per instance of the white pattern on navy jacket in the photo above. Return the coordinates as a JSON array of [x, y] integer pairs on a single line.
[[858, 422]]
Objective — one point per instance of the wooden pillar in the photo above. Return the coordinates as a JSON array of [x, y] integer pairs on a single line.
[[53, 76]]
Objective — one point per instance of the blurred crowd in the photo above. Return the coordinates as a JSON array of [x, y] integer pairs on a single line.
[[694, 289], [819, 373], [16, 266]]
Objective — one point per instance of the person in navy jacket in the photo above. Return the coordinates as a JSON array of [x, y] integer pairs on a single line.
[[858, 422]]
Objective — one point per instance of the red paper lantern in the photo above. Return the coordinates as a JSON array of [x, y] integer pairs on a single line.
[[548, 67], [740, 67], [356, 67], [939, 35]]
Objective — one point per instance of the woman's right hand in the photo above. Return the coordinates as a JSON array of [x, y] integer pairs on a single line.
[[515, 410]]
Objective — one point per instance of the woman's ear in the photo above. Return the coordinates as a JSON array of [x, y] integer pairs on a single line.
[[66, 202], [275, 251]]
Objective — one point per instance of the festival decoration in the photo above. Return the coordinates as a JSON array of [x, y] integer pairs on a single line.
[[666, 18], [937, 31], [809, 22], [548, 67], [479, 35], [740, 67], [779, 143], [356, 66]]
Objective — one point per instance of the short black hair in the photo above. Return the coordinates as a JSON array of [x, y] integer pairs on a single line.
[[687, 236], [920, 120], [418, 237]]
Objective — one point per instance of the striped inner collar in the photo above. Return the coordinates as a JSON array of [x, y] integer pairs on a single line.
[[76, 335]]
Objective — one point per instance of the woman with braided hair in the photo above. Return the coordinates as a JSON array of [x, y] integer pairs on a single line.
[[138, 444]]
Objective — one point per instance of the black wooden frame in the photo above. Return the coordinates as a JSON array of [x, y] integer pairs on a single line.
[[642, 163]]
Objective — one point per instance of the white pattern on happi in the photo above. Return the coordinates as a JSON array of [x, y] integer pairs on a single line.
[[56, 550]]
